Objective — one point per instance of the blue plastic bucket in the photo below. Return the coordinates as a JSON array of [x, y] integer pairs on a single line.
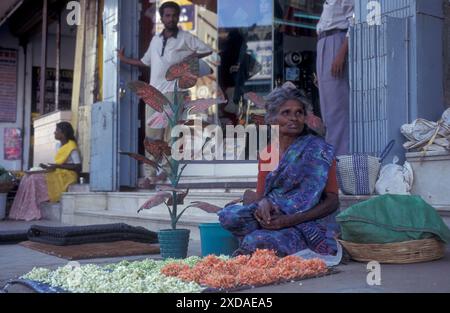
[[217, 240]]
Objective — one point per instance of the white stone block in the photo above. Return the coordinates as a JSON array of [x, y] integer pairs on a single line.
[[117, 203], [432, 177], [117, 207], [91, 201], [68, 204], [247, 169], [51, 211]]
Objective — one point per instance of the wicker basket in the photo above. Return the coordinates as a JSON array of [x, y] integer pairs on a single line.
[[397, 253]]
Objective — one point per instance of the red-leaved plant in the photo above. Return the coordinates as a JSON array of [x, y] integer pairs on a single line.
[[167, 114]]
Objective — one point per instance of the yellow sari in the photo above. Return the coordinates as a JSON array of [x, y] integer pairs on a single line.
[[59, 180]]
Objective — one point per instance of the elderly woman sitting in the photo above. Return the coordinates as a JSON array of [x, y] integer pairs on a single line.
[[295, 206]]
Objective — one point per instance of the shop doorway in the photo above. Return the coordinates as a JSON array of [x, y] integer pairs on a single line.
[[295, 42], [277, 36]]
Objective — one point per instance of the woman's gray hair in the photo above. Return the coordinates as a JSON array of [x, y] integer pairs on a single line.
[[280, 96]]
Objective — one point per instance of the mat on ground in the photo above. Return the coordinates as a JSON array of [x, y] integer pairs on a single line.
[[13, 237], [74, 235], [94, 250]]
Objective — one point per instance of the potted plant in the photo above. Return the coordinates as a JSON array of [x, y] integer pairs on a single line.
[[173, 242]]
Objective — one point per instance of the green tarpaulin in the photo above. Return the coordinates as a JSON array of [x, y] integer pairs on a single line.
[[392, 218]]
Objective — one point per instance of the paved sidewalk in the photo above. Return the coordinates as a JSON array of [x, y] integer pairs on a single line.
[[16, 260]]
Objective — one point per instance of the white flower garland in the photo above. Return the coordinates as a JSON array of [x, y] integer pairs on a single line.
[[124, 277]]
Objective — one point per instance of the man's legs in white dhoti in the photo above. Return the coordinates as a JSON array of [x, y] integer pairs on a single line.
[[334, 94]]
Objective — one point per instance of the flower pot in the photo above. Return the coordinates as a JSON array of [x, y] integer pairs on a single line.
[[217, 240], [174, 243]]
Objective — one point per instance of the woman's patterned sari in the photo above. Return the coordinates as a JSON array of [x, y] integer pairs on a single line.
[[295, 186]]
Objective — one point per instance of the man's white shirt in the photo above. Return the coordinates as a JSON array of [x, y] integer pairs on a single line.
[[336, 14], [176, 49]]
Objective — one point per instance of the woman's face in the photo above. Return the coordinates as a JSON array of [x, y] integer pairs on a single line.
[[291, 118], [59, 135]]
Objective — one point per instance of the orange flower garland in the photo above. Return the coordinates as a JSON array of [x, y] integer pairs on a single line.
[[262, 268]]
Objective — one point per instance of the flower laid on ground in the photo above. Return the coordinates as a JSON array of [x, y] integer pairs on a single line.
[[262, 268], [191, 275], [124, 277]]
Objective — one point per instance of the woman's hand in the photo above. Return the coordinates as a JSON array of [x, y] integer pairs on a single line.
[[266, 211], [263, 212], [48, 167], [250, 197], [236, 201], [278, 222], [327, 206], [71, 167]]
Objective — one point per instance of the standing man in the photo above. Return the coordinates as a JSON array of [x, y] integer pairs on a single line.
[[169, 47], [332, 71]]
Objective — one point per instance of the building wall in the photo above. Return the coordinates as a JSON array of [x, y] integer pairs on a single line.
[[45, 145], [24, 84], [67, 51], [447, 51], [8, 41], [206, 30], [410, 85]]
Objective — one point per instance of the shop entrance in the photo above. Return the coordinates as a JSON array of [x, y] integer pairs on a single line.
[[295, 42], [258, 45]]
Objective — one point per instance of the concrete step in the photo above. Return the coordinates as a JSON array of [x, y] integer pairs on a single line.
[[204, 185], [51, 211], [220, 179], [148, 220], [79, 188], [444, 212], [213, 170], [446, 220], [211, 182], [347, 201], [95, 208], [85, 208], [102, 208], [200, 183]]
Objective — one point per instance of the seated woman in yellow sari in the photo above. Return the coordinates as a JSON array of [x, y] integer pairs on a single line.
[[48, 185]]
